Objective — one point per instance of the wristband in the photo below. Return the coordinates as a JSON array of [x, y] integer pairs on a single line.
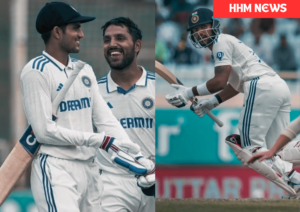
[[190, 93], [202, 90], [218, 98]]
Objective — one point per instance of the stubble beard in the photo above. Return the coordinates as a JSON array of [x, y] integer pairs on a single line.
[[68, 47], [126, 61]]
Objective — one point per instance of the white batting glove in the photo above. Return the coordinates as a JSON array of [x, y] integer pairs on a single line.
[[181, 97], [205, 104], [122, 152], [146, 162], [147, 180]]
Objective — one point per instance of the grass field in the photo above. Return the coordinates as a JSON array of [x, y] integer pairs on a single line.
[[226, 205]]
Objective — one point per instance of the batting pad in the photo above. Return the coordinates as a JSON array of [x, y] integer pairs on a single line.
[[125, 161], [291, 154], [262, 168]]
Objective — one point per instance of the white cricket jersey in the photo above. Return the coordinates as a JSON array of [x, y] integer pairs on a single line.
[[246, 65], [135, 110], [71, 137]]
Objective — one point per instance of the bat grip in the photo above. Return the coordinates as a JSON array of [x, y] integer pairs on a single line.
[[210, 114], [213, 117]]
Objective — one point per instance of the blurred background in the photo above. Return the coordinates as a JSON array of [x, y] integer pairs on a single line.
[[20, 42], [192, 158]]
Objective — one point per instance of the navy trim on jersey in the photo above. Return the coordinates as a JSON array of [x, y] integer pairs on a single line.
[[102, 80], [53, 62], [47, 186], [123, 91], [33, 65], [73, 59], [107, 86], [38, 64], [248, 112], [149, 75], [42, 68]]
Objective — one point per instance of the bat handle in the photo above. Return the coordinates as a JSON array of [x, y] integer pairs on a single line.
[[210, 114], [213, 117]]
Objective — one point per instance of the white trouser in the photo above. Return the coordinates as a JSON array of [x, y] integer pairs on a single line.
[[60, 185], [265, 115], [121, 194], [266, 111]]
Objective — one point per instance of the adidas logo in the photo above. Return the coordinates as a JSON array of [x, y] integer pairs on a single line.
[[59, 87]]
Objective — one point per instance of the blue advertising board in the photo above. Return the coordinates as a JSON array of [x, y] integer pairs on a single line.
[[19, 201], [184, 138]]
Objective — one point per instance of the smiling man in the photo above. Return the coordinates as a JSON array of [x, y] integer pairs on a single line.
[[64, 174], [129, 91]]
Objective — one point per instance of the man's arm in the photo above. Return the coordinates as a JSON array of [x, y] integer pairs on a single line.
[[217, 83], [37, 104], [227, 93], [290, 133]]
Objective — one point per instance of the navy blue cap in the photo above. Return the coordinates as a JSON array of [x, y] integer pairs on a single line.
[[58, 14], [199, 17]]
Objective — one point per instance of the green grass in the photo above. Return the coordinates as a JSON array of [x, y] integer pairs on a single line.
[[226, 205]]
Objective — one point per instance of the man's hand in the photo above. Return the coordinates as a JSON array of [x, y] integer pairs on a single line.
[[147, 181], [181, 97], [110, 144], [121, 154], [261, 156], [149, 164], [203, 104]]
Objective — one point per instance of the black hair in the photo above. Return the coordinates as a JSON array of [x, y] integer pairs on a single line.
[[133, 29], [46, 36]]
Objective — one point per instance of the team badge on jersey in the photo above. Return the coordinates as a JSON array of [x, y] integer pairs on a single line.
[[220, 55], [86, 81], [195, 19], [147, 103]]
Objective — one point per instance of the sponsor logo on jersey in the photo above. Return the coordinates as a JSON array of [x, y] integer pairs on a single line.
[[136, 122], [220, 55], [76, 104], [195, 19], [147, 103], [86, 81]]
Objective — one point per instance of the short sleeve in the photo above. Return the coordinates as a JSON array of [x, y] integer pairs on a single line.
[[222, 52]]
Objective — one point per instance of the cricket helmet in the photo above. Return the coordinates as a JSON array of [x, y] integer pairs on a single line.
[[199, 17]]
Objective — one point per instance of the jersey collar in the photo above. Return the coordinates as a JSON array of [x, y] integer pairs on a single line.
[[58, 64], [111, 86]]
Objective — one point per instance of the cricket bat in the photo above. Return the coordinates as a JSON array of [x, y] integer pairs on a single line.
[[24, 151], [167, 75]]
